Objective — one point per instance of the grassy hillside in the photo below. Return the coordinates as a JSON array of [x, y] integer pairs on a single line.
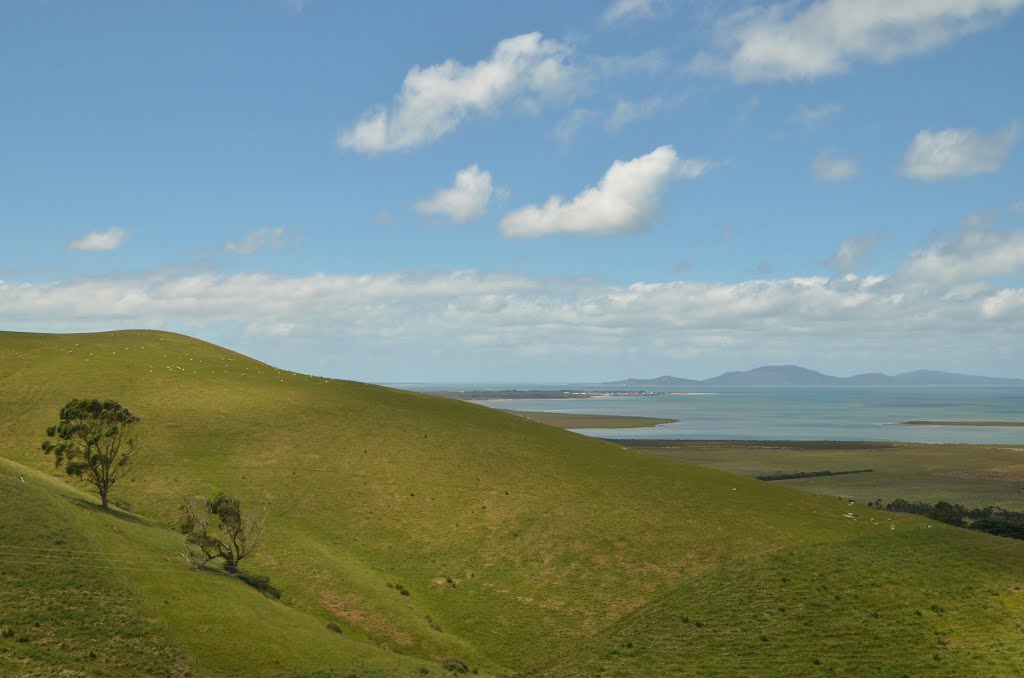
[[523, 547], [107, 593]]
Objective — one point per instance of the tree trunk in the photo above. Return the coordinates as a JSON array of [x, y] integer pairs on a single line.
[[230, 566], [103, 498]]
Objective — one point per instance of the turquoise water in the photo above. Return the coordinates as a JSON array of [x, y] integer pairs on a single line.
[[799, 412]]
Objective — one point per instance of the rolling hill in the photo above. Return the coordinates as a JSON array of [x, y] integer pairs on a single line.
[[524, 549]]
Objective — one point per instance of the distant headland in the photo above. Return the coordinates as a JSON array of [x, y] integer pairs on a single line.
[[794, 375]]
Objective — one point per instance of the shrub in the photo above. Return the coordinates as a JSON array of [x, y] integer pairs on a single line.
[[7, 632], [261, 583], [124, 505], [333, 626], [455, 665]]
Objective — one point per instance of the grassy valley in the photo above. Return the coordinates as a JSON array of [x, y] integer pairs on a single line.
[[524, 549]]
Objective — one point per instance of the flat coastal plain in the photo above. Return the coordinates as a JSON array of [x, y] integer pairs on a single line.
[[972, 475]]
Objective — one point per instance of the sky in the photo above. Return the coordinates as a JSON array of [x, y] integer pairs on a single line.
[[551, 192]]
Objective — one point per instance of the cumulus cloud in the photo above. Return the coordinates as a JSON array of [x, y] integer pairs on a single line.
[[975, 254], [625, 200], [952, 153], [254, 241], [621, 10], [626, 112], [465, 201], [1003, 303], [853, 251], [434, 100], [829, 167], [99, 241], [807, 40]]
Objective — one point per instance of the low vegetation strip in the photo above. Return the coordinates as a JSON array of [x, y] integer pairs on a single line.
[[925, 422], [572, 420], [808, 474], [511, 394]]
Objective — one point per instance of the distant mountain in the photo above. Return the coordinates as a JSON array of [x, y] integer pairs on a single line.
[[655, 381], [774, 375], [931, 378], [794, 375]]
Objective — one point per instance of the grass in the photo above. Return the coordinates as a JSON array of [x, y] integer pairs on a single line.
[[518, 546], [573, 420], [108, 594], [973, 475]]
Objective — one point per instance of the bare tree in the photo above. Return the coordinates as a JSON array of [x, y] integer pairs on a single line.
[[95, 441], [217, 528]]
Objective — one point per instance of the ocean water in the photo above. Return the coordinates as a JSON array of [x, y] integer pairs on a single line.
[[795, 412]]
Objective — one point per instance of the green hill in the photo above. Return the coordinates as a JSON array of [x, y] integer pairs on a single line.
[[523, 548]]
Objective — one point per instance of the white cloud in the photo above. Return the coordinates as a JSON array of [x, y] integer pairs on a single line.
[[465, 201], [976, 254], [626, 112], [952, 153], [100, 241], [625, 200], [828, 167], [266, 237], [942, 301], [853, 251], [812, 118], [621, 10], [434, 100], [803, 41], [1003, 303]]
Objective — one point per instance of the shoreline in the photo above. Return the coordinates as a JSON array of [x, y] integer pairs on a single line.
[[571, 420], [955, 422], [515, 394]]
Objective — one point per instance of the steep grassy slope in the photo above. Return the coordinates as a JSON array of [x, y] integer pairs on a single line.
[[107, 593], [521, 546]]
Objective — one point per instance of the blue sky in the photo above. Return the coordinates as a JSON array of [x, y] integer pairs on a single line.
[[526, 191]]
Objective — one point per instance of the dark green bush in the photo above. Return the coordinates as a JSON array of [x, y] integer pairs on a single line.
[[455, 665], [261, 583], [333, 626]]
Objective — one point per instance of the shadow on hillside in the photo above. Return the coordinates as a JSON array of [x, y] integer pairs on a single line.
[[113, 512]]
